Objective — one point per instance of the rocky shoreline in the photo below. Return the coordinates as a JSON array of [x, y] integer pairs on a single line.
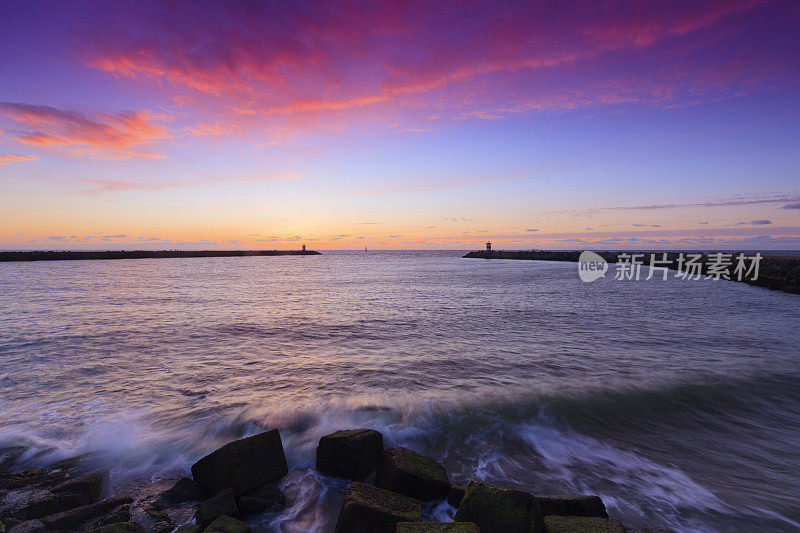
[[241, 480], [775, 272], [140, 254]]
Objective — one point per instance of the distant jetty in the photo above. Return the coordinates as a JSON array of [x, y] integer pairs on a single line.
[[775, 272], [141, 254]]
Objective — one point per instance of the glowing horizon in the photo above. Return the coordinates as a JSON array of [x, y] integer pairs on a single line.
[[149, 125]]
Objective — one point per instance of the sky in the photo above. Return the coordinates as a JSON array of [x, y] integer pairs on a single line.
[[399, 125]]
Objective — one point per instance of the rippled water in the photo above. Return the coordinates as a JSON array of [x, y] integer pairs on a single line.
[[678, 402]]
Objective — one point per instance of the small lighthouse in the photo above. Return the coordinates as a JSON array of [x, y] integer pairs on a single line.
[[304, 247], [489, 246]]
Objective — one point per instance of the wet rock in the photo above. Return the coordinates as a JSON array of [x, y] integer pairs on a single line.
[[455, 495], [64, 496], [412, 474], [572, 506], [188, 528], [264, 499], [120, 527], [9, 456], [227, 524], [582, 524], [499, 510], [223, 503], [30, 526], [184, 490], [350, 454], [8, 523], [69, 520], [157, 515], [71, 464], [120, 514], [163, 523], [369, 509], [88, 486], [29, 479], [242, 465], [437, 527]]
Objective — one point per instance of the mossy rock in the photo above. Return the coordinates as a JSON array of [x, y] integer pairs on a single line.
[[70, 520], [65, 496], [413, 474], [242, 464], [581, 524], [9, 455], [437, 527], [120, 514], [30, 526], [369, 509], [578, 505], [185, 489], [120, 527], [223, 503], [500, 510], [227, 524], [88, 486], [188, 528], [350, 454], [455, 495], [264, 499]]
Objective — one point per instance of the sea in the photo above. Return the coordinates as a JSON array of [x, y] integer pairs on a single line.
[[677, 401]]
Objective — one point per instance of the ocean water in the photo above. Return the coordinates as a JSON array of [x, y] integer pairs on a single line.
[[677, 402]]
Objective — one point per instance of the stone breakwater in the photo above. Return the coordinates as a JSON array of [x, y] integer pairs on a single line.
[[240, 481], [141, 254], [775, 272]]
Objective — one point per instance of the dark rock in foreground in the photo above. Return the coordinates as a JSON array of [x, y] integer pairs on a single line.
[[120, 527], [184, 490], [572, 506], [413, 474], [227, 524], [222, 503], [242, 464], [369, 509], [264, 499], [455, 495], [30, 526], [437, 527], [64, 496], [500, 510], [69, 520], [581, 524], [350, 454]]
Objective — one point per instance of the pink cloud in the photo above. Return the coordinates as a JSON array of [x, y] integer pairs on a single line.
[[74, 133], [6, 159], [474, 59]]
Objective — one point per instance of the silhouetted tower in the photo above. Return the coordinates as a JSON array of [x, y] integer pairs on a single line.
[[488, 246], [304, 247]]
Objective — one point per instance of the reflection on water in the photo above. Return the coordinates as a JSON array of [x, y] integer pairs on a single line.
[[678, 402]]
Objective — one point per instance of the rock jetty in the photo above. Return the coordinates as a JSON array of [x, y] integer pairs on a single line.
[[240, 480], [775, 272], [140, 254]]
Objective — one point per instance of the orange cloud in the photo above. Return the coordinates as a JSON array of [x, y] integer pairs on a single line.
[[75, 133], [6, 159]]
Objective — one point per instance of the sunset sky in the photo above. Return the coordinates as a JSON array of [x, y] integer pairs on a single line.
[[399, 124]]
